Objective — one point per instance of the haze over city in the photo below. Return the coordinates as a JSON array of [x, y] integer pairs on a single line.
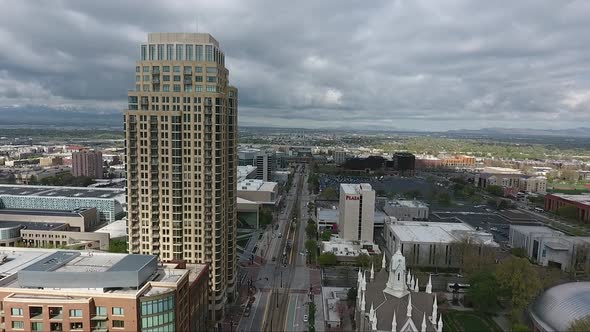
[[400, 65]]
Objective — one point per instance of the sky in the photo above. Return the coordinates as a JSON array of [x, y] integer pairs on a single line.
[[395, 64]]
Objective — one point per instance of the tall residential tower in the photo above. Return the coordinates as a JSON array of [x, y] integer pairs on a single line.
[[181, 132]]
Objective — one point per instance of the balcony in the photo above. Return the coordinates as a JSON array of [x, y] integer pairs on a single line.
[[54, 326], [36, 312], [188, 80], [55, 312], [156, 80], [155, 236], [135, 227], [156, 71]]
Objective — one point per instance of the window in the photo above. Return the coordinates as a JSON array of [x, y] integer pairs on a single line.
[[37, 326], [16, 311], [179, 52], [152, 52], [75, 312], [146, 78], [137, 69], [209, 53], [166, 69], [143, 52], [198, 88], [118, 311], [176, 69], [211, 88], [100, 311], [166, 88], [160, 51], [198, 69], [199, 50], [211, 79], [212, 70], [176, 78], [76, 326], [118, 323], [169, 51], [189, 52], [18, 325], [176, 87], [146, 69], [166, 78]]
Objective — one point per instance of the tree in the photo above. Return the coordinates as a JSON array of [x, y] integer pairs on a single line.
[[363, 261], [580, 325], [327, 259], [311, 230], [444, 198], [518, 278], [518, 252], [471, 257], [495, 190], [483, 291], [265, 217], [311, 247], [329, 194], [326, 234], [520, 328]]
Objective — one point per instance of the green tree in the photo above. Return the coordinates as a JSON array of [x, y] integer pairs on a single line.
[[327, 259], [265, 217], [33, 180], [518, 252], [311, 230], [329, 194], [311, 247], [119, 246], [444, 198], [520, 328], [363, 261], [495, 190], [483, 291], [519, 279], [326, 234]]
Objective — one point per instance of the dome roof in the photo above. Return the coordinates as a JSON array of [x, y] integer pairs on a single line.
[[560, 306]]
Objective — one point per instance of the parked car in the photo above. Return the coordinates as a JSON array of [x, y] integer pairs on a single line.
[[305, 318]]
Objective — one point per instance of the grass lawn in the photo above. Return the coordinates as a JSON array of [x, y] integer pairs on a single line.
[[467, 321]]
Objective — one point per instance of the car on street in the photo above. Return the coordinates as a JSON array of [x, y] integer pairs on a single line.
[[305, 318]]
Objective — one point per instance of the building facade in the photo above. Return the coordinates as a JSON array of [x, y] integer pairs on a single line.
[[406, 209], [59, 290], [357, 212], [581, 204], [87, 163], [181, 156]]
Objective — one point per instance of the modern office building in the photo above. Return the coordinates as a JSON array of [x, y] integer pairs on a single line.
[[339, 157], [265, 165], [61, 290], [109, 202], [357, 212], [87, 163], [181, 158]]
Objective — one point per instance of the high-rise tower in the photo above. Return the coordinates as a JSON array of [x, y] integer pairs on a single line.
[[180, 134]]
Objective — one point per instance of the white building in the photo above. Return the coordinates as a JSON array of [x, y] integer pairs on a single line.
[[431, 243], [357, 212], [347, 251], [406, 209], [549, 247], [533, 184], [396, 302]]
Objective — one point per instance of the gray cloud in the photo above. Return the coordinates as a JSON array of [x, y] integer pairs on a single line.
[[404, 64]]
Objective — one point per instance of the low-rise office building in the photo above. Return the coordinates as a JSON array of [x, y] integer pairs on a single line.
[[581, 203], [109, 202], [357, 212], [406, 209], [60, 290], [79, 220], [346, 250], [430, 244], [548, 247], [266, 193]]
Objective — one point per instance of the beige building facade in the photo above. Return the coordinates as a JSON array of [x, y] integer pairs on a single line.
[[181, 157], [357, 212]]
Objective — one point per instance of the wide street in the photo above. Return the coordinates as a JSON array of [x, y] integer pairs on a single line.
[[283, 279]]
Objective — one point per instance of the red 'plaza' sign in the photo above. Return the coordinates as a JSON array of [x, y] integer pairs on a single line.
[[352, 198]]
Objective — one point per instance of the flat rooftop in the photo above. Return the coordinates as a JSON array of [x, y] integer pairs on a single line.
[[501, 170], [583, 199], [39, 212], [355, 188], [50, 191], [85, 271], [535, 229], [256, 185], [407, 203], [37, 226], [428, 232]]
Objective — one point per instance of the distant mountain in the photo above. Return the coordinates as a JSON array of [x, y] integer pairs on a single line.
[[58, 117], [573, 132]]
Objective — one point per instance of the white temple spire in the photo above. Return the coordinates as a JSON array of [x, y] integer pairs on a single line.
[[416, 287], [429, 285], [383, 262], [374, 322], [412, 283], [372, 272], [394, 323], [440, 324], [424, 323], [409, 277], [363, 303], [409, 312], [434, 311]]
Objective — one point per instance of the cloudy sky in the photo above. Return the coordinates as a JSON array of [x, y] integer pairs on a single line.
[[399, 64]]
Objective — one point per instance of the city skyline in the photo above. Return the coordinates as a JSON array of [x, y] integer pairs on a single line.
[[419, 65]]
